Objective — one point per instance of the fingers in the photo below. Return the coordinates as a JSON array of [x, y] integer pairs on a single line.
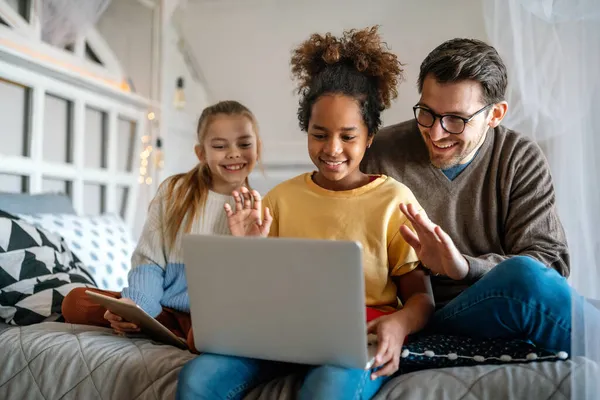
[[125, 327], [406, 213], [444, 238], [372, 326], [410, 237], [112, 317], [246, 197], [238, 201], [257, 200], [267, 221], [228, 210], [119, 324], [382, 348], [389, 368], [420, 222], [427, 225]]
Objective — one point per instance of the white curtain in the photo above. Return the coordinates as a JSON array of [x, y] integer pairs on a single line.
[[63, 20], [552, 51]]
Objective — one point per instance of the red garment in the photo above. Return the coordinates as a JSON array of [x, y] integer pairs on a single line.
[[373, 313]]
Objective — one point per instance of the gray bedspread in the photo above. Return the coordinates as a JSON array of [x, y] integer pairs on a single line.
[[63, 361]]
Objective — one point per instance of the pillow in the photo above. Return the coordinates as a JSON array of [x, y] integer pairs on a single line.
[[23, 203], [37, 270], [102, 243], [441, 351]]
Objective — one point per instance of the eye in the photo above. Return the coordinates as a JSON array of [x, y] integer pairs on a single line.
[[348, 138], [218, 147], [318, 136], [245, 145]]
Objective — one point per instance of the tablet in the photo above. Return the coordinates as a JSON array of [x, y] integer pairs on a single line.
[[135, 314]]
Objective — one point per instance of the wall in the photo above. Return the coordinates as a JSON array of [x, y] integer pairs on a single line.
[[126, 25], [244, 50]]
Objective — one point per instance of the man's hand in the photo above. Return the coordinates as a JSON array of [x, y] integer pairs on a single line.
[[390, 337], [433, 246], [246, 219]]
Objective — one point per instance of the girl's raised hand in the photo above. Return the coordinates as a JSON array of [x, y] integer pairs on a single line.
[[246, 219]]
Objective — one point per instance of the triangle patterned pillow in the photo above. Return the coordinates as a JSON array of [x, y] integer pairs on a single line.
[[37, 270], [103, 243]]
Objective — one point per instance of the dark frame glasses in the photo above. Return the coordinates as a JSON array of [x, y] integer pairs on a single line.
[[453, 124]]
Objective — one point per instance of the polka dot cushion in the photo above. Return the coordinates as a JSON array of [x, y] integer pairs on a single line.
[[441, 351], [102, 243]]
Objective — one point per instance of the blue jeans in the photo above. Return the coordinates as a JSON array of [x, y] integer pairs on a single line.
[[212, 376], [520, 298]]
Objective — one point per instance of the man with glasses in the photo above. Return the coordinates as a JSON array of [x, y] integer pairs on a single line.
[[490, 233]]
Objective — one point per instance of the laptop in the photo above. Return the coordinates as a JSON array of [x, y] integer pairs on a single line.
[[282, 299]]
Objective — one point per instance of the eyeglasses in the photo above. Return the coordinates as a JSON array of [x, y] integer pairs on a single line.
[[453, 124]]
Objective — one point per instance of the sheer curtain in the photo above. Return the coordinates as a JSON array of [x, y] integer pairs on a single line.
[[62, 20], [552, 52]]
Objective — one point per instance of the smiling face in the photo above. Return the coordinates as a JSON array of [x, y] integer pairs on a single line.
[[463, 99], [230, 149], [337, 140]]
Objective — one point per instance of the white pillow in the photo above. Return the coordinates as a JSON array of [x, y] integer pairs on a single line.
[[102, 243]]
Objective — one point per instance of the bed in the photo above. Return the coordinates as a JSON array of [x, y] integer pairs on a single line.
[[51, 359], [55, 360]]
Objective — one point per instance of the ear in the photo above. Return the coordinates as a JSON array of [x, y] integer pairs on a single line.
[[370, 141], [200, 153], [498, 112]]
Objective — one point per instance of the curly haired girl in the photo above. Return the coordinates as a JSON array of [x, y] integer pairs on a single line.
[[344, 83]]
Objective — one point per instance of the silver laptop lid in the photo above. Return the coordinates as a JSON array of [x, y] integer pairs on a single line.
[[284, 299]]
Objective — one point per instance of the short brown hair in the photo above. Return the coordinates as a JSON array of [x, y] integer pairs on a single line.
[[467, 59]]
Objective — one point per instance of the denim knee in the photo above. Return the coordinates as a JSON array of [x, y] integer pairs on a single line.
[[529, 279], [326, 382], [198, 379]]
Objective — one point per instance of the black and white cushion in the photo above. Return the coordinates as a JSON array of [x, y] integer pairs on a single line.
[[428, 351], [37, 270]]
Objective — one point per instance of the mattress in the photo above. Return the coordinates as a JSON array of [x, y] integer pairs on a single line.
[[62, 361]]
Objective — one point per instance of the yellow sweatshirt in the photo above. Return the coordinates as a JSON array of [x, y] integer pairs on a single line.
[[369, 215]]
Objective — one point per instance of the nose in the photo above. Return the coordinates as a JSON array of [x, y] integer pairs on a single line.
[[234, 152], [332, 147], [436, 132]]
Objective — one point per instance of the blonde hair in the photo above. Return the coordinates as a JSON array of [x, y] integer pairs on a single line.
[[186, 193]]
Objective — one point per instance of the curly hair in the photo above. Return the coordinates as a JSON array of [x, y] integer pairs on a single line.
[[357, 64]]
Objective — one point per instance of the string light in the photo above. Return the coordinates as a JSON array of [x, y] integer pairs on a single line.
[[147, 152], [143, 165]]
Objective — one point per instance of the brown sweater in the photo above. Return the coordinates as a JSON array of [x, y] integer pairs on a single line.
[[502, 204]]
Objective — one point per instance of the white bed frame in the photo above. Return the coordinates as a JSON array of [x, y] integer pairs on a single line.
[[25, 60]]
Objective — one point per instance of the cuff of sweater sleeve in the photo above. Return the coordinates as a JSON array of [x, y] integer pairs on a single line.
[[477, 267], [151, 306]]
